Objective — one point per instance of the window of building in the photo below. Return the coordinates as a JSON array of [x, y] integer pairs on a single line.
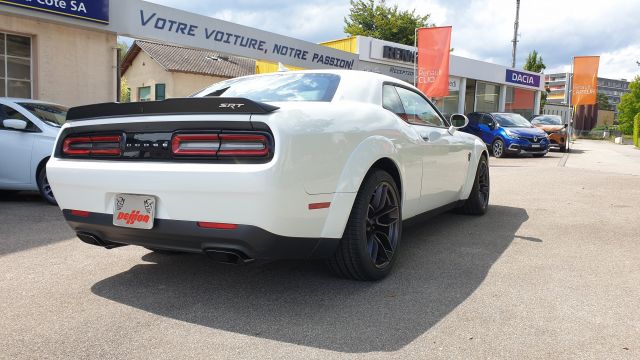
[[448, 104], [144, 93], [15, 66], [160, 92], [520, 101], [470, 96], [487, 97]]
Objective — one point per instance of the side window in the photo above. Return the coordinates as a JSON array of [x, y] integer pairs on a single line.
[[474, 118], [7, 112], [418, 110], [391, 101], [487, 120]]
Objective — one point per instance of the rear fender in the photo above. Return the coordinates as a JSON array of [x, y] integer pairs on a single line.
[[479, 149], [354, 171]]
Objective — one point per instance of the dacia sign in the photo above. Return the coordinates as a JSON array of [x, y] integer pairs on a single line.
[[522, 78], [91, 10]]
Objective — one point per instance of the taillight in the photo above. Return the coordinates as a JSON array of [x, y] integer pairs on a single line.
[[92, 145], [195, 144], [243, 145], [223, 145]]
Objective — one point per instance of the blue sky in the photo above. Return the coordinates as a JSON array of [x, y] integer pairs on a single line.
[[482, 29]]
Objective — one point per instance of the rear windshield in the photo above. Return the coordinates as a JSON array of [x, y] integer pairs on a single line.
[[278, 87], [54, 115]]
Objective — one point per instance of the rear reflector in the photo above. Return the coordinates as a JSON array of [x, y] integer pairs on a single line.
[[92, 145], [322, 205], [220, 226], [80, 213]]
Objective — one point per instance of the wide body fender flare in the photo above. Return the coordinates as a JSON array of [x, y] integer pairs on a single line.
[[366, 154]]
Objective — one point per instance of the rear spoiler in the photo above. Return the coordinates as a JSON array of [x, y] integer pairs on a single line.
[[179, 106]]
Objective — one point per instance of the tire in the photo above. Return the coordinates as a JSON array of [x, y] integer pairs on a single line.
[[497, 148], [478, 201], [44, 188], [368, 248], [563, 148]]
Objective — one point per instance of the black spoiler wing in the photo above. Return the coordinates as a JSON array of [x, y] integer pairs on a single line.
[[178, 106]]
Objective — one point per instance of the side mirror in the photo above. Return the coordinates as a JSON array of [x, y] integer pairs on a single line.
[[458, 121], [566, 126], [14, 124]]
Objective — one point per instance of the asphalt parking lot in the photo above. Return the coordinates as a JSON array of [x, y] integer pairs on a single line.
[[552, 271]]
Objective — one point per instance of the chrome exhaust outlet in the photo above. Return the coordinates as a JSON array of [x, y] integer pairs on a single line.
[[228, 256], [92, 239]]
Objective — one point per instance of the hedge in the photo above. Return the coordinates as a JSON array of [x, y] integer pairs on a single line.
[[636, 130]]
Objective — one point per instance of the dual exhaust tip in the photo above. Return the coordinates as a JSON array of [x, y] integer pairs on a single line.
[[225, 256]]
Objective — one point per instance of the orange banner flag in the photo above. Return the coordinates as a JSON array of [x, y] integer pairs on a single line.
[[434, 45], [585, 80]]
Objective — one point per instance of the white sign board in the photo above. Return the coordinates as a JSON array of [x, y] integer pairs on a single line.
[[144, 20]]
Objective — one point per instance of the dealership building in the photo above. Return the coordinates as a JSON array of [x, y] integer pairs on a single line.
[[68, 55], [473, 85]]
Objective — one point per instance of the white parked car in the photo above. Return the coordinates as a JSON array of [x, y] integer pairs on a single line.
[[309, 164], [28, 129]]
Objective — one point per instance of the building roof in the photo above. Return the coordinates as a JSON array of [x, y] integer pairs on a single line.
[[193, 61]]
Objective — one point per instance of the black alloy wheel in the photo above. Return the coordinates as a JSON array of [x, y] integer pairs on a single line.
[[368, 248], [382, 226], [45, 188], [478, 201]]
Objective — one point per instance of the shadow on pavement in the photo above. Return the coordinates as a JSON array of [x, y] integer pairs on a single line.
[[26, 222], [441, 264]]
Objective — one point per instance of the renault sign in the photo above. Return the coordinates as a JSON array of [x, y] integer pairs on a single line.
[[91, 10]]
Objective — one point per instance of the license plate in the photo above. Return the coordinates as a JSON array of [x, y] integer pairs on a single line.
[[535, 145], [134, 211]]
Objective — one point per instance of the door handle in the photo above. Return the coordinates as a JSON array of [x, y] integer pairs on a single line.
[[425, 137]]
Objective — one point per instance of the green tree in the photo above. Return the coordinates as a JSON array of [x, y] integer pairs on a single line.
[[378, 20], [125, 92], [534, 62], [603, 102], [629, 107]]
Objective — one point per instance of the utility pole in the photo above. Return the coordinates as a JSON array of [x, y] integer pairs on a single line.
[[515, 35]]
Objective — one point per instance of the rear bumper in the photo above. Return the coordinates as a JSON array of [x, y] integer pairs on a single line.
[[263, 196], [250, 241]]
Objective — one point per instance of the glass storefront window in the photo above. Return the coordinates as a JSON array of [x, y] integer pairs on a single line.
[[448, 104], [487, 97], [520, 101], [470, 96], [15, 66]]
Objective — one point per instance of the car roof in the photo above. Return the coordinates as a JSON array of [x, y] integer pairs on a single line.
[[24, 100]]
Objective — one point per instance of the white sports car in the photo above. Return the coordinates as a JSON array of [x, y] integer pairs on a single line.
[[308, 164]]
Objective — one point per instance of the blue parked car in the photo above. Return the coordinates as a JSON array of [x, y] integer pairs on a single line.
[[508, 133]]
